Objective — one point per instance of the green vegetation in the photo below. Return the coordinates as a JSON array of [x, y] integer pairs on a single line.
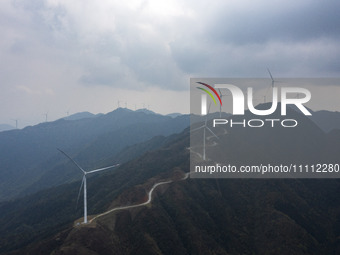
[[195, 216], [47, 212]]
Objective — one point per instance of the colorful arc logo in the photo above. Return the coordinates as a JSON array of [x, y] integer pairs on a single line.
[[209, 93]]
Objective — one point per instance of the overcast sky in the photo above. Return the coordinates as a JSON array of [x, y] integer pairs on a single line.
[[82, 55]]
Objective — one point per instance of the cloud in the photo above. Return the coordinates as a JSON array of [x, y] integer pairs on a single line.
[[243, 38], [113, 43], [158, 44], [136, 45], [263, 21]]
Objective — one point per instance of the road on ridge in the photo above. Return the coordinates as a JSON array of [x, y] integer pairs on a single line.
[[137, 205]]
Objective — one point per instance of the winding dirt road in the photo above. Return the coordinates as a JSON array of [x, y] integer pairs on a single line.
[[137, 205]]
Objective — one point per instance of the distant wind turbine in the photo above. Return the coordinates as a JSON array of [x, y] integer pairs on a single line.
[[46, 114], [83, 183], [16, 123], [205, 127], [272, 79], [118, 103]]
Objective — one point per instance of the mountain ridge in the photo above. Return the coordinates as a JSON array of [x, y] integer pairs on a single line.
[[202, 216], [6, 127], [29, 153]]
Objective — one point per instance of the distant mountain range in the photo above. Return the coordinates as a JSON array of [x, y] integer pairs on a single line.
[[147, 111], [30, 161], [5, 127], [174, 115], [306, 143], [81, 115], [326, 120], [195, 216]]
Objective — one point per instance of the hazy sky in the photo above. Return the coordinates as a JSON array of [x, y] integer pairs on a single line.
[[82, 55]]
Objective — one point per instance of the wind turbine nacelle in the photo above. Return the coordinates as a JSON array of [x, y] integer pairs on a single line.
[[239, 100]]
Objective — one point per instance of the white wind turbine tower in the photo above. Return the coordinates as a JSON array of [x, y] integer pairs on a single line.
[[205, 127], [83, 183]]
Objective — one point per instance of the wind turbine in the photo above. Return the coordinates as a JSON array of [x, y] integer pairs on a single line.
[[205, 127], [46, 114], [273, 81], [16, 123], [271, 77], [221, 95], [118, 103], [83, 182]]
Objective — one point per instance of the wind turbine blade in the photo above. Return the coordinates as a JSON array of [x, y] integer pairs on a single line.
[[197, 129], [81, 185], [81, 169], [101, 169], [212, 133], [270, 74]]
